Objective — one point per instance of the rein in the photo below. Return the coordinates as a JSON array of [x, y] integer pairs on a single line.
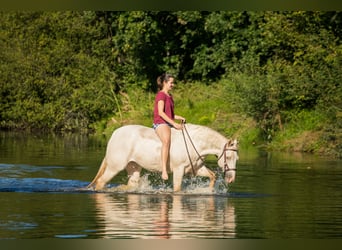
[[225, 149], [187, 149]]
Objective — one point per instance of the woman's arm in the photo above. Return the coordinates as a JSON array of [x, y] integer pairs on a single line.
[[163, 115]]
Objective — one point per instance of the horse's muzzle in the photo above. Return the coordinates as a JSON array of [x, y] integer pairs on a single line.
[[229, 177]]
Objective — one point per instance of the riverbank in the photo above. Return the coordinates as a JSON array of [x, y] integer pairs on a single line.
[[215, 106]]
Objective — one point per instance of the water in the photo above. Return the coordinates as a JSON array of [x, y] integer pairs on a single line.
[[275, 195]]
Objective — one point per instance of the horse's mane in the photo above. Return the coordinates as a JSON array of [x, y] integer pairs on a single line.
[[195, 129]]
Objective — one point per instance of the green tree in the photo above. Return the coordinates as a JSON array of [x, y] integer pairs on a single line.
[[52, 77]]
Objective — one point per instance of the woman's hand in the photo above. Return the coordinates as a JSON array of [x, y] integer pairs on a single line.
[[181, 118], [178, 126]]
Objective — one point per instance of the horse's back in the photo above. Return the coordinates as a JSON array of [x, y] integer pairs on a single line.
[[128, 136], [136, 133], [133, 139]]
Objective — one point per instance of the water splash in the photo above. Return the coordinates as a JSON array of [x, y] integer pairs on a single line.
[[150, 184], [21, 178]]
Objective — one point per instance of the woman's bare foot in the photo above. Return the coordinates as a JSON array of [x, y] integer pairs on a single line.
[[165, 176]]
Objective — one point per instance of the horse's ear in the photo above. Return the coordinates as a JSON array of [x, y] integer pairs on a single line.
[[236, 143]]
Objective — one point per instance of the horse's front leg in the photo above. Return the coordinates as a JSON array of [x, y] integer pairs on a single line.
[[205, 172], [178, 174]]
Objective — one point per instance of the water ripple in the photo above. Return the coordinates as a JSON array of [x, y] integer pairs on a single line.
[[23, 170], [39, 185]]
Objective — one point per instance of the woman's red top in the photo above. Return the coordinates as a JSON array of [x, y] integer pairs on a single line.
[[168, 107]]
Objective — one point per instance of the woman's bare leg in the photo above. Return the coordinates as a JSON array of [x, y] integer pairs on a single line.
[[164, 133]]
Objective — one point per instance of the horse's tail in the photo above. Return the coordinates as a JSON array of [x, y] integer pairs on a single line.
[[99, 173]]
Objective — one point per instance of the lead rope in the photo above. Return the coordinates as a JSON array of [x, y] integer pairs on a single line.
[[187, 149]]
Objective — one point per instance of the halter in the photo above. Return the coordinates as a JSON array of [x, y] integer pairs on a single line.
[[225, 164]]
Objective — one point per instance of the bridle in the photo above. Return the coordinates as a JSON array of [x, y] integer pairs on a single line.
[[224, 153]]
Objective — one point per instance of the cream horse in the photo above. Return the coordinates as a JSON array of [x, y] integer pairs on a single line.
[[134, 147]]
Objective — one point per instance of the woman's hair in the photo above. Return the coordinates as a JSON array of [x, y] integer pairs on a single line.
[[163, 78]]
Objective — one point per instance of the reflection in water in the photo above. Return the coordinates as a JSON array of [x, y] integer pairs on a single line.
[[164, 216], [162, 225]]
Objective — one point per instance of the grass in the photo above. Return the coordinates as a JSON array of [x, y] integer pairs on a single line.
[[199, 103], [304, 132], [213, 106]]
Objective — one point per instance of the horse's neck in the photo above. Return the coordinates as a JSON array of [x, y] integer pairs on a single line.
[[209, 141]]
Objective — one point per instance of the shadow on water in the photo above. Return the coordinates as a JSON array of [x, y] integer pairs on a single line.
[[17, 178], [32, 185]]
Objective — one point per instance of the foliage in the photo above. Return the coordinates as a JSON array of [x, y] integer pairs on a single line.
[[49, 73], [74, 71]]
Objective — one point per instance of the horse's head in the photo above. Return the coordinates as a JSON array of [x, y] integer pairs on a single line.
[[227, 160]]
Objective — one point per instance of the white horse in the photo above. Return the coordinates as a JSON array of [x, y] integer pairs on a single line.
[[134, 147]]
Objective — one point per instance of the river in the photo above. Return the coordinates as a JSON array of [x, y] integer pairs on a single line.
[[275, 196]]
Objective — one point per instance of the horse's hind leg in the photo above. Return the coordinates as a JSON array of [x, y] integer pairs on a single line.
[[133, 171], [105, 177]]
